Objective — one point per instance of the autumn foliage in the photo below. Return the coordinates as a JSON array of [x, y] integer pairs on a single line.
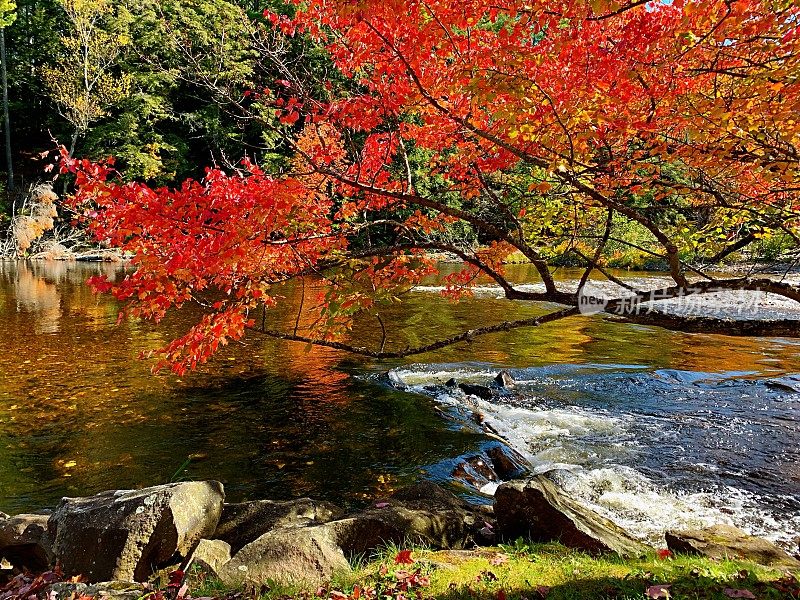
[[540, 125]]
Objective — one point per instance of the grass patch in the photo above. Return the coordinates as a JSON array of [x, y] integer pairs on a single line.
[[534, 572]]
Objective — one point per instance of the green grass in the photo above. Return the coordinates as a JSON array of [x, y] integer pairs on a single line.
[[533, 572]]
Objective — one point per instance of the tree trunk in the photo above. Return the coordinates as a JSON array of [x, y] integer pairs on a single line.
[[6, 119]]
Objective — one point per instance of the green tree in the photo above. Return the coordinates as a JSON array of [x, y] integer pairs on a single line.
[[85, 80], [7, 17]]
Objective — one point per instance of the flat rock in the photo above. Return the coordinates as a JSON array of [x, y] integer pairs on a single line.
[[539, 510], [113, 590], [729, 542], [244, 522], [304, 555], [127, 535], [25, 542]]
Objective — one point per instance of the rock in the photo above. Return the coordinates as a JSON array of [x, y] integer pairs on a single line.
[[474, 471], [423, 513], [242, 523], [539, 510], [729, 542], [25, 542], [481, 391], [211, 555], [506, 463], [127, 535], [304, 555], [112, 590], [451, 383], [504, 379]]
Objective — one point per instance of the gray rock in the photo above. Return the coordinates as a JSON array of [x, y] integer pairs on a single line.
[[300, 555], [504, 379], [127, 535], [211, 555], [423, 513], [728, 542], [242, 523], [25, 542], [113, 590], [539, 510]]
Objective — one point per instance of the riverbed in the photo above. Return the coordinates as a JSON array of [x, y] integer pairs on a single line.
[[653, 428]]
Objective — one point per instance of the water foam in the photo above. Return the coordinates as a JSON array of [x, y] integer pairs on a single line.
[[592, 451]]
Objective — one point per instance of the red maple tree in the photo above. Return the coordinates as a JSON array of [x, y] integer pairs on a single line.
[[540, 126]]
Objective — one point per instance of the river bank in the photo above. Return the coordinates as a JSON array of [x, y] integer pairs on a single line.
[[168, 540]]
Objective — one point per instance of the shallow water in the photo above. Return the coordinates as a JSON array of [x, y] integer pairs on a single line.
[[653, 428]]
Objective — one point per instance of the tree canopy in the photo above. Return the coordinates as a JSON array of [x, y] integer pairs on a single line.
[[543, 129]]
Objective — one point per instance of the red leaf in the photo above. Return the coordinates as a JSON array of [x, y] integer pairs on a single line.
[[403, 558], [664, 554], [501, 594]]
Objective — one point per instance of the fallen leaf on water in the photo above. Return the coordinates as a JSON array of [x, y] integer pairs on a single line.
[[658, 591], [732, 593]]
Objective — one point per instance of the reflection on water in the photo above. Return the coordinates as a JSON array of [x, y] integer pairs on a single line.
[[80, 413]]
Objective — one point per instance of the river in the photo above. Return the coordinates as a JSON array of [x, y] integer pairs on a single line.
[[655, 429]]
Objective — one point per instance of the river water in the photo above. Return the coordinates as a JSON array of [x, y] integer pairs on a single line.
[[654, 429]]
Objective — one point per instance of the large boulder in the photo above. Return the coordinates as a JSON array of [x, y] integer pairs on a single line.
[[242, 523], [728, 542], [25, 542], [127, 535], [539, 510], [292, 555]]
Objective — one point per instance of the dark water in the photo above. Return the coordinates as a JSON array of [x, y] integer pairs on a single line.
[[655, 428]]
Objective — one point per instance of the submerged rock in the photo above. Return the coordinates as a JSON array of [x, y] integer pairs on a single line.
[[539, 510], [506, 462], [308, 555], [242, 523], [728, 542], [481, 391], [474, 471], [25, 542], [127, 535]]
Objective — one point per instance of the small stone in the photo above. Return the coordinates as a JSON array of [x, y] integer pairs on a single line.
[[504, 379]]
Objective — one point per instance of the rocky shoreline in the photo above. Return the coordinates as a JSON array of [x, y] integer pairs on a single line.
[[136, 536]]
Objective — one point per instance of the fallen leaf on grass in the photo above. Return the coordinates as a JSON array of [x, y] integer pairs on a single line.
[[658, 591]]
